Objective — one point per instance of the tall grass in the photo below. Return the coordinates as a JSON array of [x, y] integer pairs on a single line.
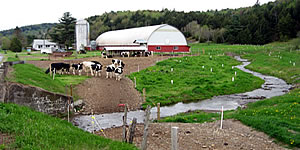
[[35, 130]]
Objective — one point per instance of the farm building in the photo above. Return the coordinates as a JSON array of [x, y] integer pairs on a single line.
[[39, 44], [157, 38]]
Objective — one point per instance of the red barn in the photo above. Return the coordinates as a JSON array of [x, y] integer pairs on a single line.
[[158, 38]]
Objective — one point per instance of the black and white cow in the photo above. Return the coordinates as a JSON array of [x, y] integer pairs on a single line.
[[136, 54], [77, 67], [118, 73], [97, 68], [125, 54], [110, 69], [104, 54], [55, 67], [118, 63], [94, 66]]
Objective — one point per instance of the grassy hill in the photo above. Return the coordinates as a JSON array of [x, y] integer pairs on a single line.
[[35, 130]]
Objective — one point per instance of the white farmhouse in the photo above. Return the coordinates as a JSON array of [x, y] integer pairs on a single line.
[[39, 44]]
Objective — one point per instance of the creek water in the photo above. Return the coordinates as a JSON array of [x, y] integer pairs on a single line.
[[272, 87], [1, 57]]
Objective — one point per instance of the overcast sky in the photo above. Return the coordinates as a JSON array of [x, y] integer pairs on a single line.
[[27, 12]]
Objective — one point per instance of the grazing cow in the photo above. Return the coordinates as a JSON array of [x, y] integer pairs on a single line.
[[118, 73], [118, 63], [66, 68], [77, 67], [94, 66], [104, 55], [125, 54], [136, 54], [110, 70], [55, 67]]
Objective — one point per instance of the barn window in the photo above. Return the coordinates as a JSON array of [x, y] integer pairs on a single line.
[[175, 47], [158, 48]]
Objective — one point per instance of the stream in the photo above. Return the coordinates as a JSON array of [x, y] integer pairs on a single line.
[[272, 87], [1, 57]]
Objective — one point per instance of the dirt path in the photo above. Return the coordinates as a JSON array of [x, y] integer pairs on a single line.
[[234, 135], [103, 95]]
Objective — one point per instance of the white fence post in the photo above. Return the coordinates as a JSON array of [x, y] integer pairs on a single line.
[[174, 138], [221, 126]]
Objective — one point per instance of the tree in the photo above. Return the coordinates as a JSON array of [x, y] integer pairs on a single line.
[[5, 43], [64, 32], [19, 35], [15, 45]]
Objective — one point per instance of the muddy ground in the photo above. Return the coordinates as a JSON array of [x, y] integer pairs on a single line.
[[193, 136], [102, 95], [6, 139]]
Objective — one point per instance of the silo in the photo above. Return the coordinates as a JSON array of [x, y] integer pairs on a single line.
[[82, 34]]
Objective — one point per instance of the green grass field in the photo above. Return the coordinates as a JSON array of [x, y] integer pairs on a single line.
[[28, 74], [35, 130], [191, 81]]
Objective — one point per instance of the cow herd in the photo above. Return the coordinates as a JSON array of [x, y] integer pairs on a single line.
[[94, 67]]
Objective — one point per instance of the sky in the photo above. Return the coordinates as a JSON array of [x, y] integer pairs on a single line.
[[28, 12]]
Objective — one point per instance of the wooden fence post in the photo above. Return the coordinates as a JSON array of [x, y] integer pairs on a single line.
[[132, 130], [124, 124], [71, 90], [147, 117], [174, 138], [158, 111]]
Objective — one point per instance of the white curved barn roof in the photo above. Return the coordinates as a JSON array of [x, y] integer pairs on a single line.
[[161, 34]]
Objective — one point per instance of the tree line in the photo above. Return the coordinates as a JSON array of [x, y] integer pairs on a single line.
[[259, 24]]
